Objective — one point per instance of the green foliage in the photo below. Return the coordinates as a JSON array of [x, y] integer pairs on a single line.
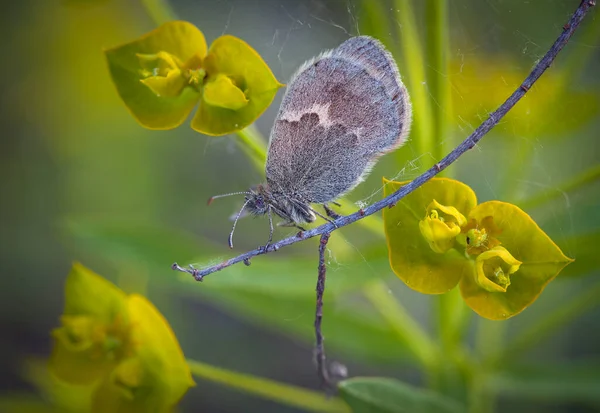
[[551, 383], [382, 395], [121, 352]]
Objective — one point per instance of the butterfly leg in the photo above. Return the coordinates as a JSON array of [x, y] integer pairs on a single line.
[[269, 213], [324, 217], [290, 224], [330, 212]]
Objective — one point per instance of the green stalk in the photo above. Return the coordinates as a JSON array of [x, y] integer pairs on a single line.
[[412, 59], [438, 35], [586, 177], [253, 144], [452, 318], [375, 21], [160, 11], [282, 393], [406, 328], [488, 340]]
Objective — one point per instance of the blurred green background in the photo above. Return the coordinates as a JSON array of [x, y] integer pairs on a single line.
[[81, 180]]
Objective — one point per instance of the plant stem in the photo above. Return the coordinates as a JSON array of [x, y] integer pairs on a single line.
[[253, 144], [322, 369], [438, 35], [269, 389], [160, 11], [391, 200], [407, 329], [414, 62], [375, 21], [488, 339]]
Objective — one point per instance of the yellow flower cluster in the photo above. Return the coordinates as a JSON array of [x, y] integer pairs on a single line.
[[497, 254], [120, 346]]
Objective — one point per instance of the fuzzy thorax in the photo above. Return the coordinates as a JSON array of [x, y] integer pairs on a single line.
[[291, 208]]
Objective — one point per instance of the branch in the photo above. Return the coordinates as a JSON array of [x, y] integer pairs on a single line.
[[391, 200], [319, 349]]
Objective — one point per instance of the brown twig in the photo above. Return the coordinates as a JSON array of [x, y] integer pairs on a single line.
[[319, 348], [325, 230], [392, 199]]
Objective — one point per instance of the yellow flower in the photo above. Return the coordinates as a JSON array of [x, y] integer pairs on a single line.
[[494, 268], [441, 226], [120, 345], [478, 237], [507, 259], [164, 74]]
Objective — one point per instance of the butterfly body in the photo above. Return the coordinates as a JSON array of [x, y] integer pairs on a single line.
[[342, 110]]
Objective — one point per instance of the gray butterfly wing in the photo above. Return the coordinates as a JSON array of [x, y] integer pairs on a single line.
[[340, 112]]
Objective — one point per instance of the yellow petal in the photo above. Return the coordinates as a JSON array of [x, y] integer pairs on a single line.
[[494, 268], [174, 45], [439, 236], [237, 60], [223, 93], [412, 257], [168, 86], [441, 226], [541, 260]]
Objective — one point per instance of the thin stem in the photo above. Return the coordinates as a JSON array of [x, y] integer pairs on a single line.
[[322, 369], [405, 327], [283, 393], [438, 35], [577, 182], [463, 147], [488, 339], [414, 62], [253, 144], [452, 318], [375, 21], [159, 10]]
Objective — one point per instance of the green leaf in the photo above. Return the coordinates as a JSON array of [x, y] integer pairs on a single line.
[[152, 245], [180, 40], [541, 260], [573, 382], [384, 395], [410, 254], [158, 247], [350, 327], [305, 399], [235, 59]]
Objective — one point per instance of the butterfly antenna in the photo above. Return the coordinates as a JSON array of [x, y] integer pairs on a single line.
[[212, 198], [235, 222]]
